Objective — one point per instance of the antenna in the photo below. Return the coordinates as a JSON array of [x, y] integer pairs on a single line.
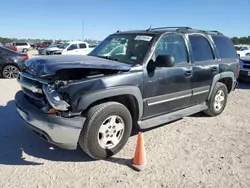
[[82, 30], [150, 27]]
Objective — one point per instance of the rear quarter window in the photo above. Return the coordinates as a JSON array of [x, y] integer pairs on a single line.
[[225, 47]]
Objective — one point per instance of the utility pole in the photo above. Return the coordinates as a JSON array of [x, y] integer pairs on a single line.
[[83, 30]]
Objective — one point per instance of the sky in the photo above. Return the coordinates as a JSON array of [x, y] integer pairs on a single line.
[[63, 19]]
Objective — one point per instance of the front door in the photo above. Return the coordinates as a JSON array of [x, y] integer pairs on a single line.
[[72, 49], [205, 66], [168, 89], [83, 50]]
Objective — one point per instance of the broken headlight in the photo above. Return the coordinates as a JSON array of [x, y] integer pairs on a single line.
[[54, 98]]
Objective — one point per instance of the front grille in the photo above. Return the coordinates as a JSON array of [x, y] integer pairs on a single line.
[[246, 65], [32, 89], [38, 103]]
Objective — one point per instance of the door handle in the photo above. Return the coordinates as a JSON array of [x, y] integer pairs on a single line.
[[188, 73]]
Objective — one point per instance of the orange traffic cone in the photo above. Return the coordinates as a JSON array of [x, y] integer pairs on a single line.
[[139, 160]]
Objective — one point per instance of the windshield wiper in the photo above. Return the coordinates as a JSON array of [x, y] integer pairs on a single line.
[[108, 57]]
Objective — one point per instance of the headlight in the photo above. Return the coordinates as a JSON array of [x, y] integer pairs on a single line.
[[54, 98]]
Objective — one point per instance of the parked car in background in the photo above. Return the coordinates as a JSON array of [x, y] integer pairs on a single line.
[[43, 45], [76, 47], [244, 68], [10, 46], [52, 49], [72, 47], [46, 50], [243, 50], [22, 46], [11, 62]]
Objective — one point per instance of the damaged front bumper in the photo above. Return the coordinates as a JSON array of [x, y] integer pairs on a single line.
[[63, 132]]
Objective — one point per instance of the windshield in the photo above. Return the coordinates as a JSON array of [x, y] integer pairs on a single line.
[[64, 45], [126, 48]]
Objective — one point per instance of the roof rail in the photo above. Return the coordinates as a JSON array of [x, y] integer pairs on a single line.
[[214, 31], [158, 28]]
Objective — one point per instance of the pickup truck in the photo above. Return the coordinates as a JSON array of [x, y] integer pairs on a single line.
[[71, 48], [243, 51], [132, 79]]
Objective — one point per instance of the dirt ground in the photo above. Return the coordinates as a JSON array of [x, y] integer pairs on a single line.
[[196, 151]]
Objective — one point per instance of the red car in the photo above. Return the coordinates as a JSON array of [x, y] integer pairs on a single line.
[[43, 45], [11, 47]]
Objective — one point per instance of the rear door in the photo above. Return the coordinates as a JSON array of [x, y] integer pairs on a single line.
[[205, 66], [83, 49]]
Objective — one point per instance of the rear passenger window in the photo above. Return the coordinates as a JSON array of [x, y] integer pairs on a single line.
[[201, 48], [82, 45], [225, 47]]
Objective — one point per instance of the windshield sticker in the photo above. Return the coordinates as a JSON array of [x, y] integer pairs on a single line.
[[134, 58], [143, 37]]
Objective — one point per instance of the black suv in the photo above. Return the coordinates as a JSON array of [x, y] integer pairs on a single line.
[[131, 79]]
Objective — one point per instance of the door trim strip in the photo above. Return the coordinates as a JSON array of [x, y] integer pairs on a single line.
[[168, 97], [168, 100]]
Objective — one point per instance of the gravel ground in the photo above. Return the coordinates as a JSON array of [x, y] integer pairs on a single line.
[[196, 151]]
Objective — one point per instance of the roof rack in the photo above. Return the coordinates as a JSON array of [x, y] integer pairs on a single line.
[[214, 31], [159, 28], [185, 28]]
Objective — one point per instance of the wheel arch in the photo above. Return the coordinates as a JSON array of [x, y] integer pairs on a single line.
[[226, 78], [129, 96]]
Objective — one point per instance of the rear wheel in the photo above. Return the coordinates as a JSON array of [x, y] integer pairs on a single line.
[[106, 130], [218, 100], [10, 71]]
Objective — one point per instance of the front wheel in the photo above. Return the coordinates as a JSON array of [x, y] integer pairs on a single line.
[[218, 100], [106, 130]]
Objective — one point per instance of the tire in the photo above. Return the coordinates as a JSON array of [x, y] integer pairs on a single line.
[[10, 72], [25, 50], [90, 137], [212, 103]]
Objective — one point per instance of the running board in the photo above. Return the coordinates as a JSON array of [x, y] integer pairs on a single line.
[[159, 120]]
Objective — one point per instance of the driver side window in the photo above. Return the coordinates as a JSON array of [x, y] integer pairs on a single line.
[[172, 44], [72, 47]]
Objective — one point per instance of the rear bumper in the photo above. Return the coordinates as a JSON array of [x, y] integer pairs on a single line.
[[63, 132]]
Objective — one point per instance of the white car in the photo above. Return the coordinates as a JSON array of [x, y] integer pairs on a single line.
[[76, 47], [22, 46], [243, 51]]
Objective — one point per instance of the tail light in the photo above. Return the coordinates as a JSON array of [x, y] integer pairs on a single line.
[[25, 57]]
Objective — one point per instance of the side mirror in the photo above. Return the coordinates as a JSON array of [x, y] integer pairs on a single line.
[[164, 61]]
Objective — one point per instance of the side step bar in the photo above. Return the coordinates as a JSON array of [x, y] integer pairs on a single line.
[[159, 120]]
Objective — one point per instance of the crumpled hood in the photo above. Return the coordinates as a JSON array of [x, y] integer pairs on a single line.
[[48, 65]]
